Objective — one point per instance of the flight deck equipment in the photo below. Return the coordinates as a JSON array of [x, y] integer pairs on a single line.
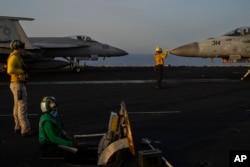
[[156, 151], [150, 158], [117, 138]]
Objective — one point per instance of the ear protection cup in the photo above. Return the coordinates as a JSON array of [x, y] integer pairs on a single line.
[[12, 46], [17, 44], [48, 104]]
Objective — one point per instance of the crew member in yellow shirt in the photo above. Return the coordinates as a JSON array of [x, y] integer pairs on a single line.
[[18, 74], [159, 65]]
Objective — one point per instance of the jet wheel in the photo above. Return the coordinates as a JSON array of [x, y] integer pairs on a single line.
[[77, 69]]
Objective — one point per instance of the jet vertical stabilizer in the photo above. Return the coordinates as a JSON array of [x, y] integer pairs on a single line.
[[10, 29]]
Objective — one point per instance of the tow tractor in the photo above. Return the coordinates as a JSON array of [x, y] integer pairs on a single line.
[[116, 147]]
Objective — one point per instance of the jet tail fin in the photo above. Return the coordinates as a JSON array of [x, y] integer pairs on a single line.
[[10, 29]]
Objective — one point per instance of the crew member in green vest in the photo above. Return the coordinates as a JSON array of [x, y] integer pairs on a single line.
[[51, 133], [54, 141]]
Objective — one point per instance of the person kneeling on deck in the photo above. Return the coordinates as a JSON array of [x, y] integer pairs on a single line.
[[54, 142]]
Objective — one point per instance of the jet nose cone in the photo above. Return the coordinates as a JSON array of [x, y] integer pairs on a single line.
[[110, 51], [122, 52], [118, 52], [188, 50]]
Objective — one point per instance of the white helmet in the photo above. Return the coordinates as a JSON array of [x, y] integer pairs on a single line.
[[158, 49], [48, 104]]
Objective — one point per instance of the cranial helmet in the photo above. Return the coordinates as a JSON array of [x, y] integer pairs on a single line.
[[48, 104], [158, 49], [17, 44]]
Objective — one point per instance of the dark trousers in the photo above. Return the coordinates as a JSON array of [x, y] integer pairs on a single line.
[[159, 75], [83, 155]]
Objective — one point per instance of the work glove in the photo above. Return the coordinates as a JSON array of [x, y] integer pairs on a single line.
[[166, 50]]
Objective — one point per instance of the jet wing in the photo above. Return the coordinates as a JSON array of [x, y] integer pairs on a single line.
[[56, 43], [15, 18], [56, 46]]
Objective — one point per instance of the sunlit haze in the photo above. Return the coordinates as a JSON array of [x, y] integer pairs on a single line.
[[136, 26]]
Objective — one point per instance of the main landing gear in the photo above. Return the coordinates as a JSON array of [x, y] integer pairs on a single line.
[[74, 64]]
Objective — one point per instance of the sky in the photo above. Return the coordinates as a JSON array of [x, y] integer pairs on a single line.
[[137, 26]]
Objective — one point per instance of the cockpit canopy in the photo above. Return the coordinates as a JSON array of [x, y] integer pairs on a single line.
[[82, 38], [242, 31]]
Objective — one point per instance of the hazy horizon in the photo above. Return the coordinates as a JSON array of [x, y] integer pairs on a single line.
[[134, 26]]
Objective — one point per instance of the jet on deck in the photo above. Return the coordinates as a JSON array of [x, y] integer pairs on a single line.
[[233, 46], [41, 51]]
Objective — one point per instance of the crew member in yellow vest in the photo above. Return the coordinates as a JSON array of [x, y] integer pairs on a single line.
[[159, 65], [18, 74]]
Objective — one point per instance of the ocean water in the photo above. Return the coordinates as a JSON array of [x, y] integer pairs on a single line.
[[148, 60]]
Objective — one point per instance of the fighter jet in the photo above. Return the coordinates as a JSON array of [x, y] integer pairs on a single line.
[[40, 52], [233, 46]]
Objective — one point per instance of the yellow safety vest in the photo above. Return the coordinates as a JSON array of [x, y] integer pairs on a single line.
[[159, 58], [15, 67]]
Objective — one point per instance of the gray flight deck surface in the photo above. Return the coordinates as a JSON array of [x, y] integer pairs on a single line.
[[196, 119]]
